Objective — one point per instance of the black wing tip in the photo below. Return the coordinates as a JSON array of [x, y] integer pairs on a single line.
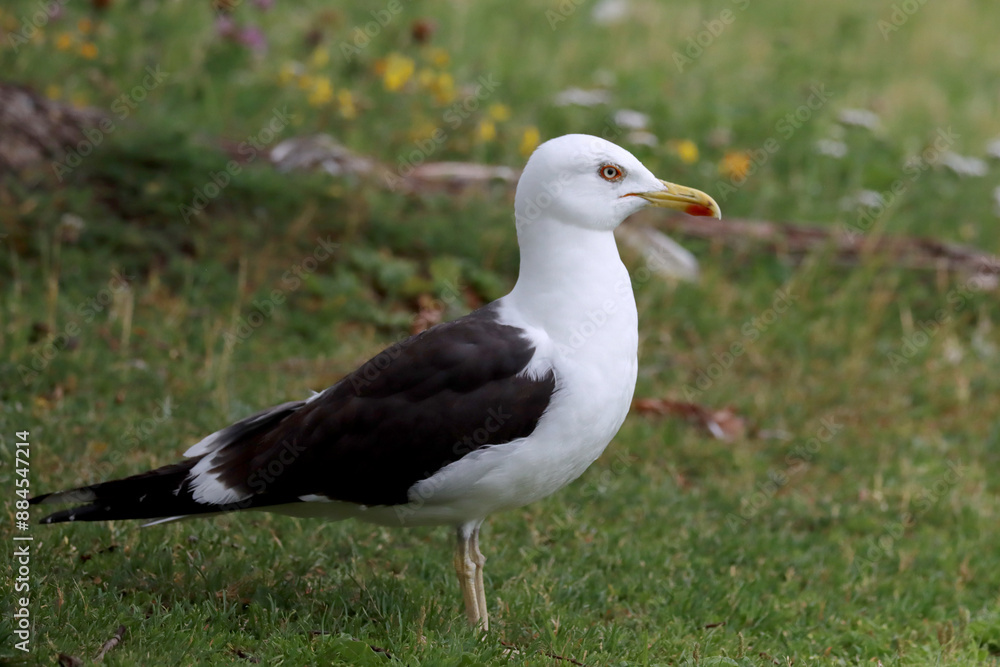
[[59, 517], [53, 517], [39, 499], [63, 497], [92, 512]]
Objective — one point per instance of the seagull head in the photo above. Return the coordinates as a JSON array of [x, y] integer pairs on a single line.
[[588, 182]]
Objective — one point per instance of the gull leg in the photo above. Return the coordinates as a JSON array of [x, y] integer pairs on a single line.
[[480, 560], [466, 568]]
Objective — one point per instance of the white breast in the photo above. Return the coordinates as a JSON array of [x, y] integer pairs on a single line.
[[593, 352]]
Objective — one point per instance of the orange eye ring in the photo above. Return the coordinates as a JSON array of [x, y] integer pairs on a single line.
[[611, 172]]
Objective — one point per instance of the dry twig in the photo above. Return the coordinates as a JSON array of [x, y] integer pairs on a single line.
[[111, 643], [547, 654]]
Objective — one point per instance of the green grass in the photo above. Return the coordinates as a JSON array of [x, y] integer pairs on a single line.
[[873, 540]]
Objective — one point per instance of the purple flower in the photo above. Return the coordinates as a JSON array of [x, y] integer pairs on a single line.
[[225, 26], [253, 38], [263, 5]]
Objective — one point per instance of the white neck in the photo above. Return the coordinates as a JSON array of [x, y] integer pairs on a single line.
[[572, 284]]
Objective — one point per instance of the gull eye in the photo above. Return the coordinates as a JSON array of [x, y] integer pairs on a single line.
[[611, 172]]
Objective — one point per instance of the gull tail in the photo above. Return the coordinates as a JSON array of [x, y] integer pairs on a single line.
[[156, 494]]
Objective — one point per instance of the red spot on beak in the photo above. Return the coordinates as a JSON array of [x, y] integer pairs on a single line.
[[698, 209]]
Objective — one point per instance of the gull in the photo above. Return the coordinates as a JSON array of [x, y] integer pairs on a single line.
[[486, 413]]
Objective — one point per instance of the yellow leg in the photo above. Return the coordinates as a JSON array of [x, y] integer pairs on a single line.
[[468, 565], [480, 560]]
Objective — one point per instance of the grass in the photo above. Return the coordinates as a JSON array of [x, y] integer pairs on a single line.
[[856, 523]]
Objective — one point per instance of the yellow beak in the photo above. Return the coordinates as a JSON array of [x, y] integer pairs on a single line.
[[689, 200]]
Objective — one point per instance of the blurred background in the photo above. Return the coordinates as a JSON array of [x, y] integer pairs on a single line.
[[207, 208]]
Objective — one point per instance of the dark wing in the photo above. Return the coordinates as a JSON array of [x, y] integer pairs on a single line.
[[399, 418], [414, 408]]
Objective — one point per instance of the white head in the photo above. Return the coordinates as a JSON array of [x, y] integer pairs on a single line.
[[587, 182]]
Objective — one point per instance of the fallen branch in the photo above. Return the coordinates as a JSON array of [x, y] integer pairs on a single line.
[[547, 654], [850, 247], [723, 424], [111, 643]]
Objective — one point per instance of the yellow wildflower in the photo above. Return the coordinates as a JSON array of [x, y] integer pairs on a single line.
[[88, 50], [85, 26], [398, 70], [64, 41], [529, 140], [443, 88], [685, 149], [289, 72], [348, 109], [321, 92], [423, 129], [320, 56], [52, 91], [735, 165], [486, 130], [439, 57], [305, 81], [499, 112], [426, 77], [79, 100]]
